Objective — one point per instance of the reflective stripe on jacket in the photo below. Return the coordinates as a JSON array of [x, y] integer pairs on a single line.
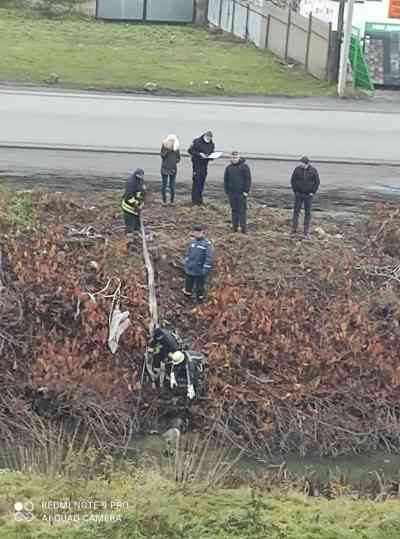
[[133, 198], [134, 204]]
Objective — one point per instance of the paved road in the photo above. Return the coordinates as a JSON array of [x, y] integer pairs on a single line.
[[278, 128], [85, 171]]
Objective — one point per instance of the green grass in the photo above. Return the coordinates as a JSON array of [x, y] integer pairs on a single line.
[[93, 54], [16, 209], [158, 508]]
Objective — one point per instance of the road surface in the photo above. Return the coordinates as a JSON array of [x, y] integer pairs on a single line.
[[285, 129]]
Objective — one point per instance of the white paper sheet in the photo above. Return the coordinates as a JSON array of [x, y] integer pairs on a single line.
[[214, 155]]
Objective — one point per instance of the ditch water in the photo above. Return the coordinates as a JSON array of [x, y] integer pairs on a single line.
[[356, 468]]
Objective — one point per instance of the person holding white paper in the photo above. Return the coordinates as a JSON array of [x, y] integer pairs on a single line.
[[200, 150]]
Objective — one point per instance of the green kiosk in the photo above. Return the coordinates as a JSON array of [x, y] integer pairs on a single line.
[[382, 53]]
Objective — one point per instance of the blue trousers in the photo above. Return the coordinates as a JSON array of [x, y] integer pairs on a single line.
[[168, 180]]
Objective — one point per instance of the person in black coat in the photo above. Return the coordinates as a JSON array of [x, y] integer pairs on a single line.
[[162, 343], [132, 200], [170, 157], [200, 149], [237, 182], [305, 183]]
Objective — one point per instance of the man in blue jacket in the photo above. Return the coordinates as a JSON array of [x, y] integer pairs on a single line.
[[198, 264]]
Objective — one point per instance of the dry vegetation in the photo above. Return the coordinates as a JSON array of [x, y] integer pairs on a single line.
[[302, 338]]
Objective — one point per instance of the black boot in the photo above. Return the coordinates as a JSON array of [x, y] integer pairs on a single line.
[[130, 243], [295, 222]]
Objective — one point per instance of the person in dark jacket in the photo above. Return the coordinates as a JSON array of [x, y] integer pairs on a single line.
[[170, 157], [198, 264], [200, 149], [170, 359], [237, 182], [132, 202], [164, 342], [305, 183]]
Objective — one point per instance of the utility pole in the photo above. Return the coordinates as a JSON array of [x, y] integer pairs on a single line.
[[345, 48], [340, 24]]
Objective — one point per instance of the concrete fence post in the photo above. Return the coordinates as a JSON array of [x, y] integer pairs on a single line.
[[247, 21], [233, 17], [309, 32], [289, 23], [329, 53], [201, 12], [267, 31]]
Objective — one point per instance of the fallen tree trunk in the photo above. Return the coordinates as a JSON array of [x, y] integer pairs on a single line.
[[1, 269], [153, 307], [151, 281]]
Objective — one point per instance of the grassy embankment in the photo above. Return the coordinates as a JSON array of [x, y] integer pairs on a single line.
[[157, 507], [186, 60]]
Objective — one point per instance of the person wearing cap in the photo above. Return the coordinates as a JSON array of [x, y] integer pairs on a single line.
[[237, 182], [167, 348], [198, 264], [200, 149], [132, 202], [182, 366], [305, 183], [164, 342]]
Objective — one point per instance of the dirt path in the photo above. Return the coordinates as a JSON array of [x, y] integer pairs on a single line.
[[344, 188]]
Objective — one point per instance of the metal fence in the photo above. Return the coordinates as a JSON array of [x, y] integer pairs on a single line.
[[146, 10], [306, 40]]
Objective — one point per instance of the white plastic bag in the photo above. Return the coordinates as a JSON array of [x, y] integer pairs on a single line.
[[118, 324]]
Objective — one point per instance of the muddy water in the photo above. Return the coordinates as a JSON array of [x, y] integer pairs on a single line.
[[356, 468]]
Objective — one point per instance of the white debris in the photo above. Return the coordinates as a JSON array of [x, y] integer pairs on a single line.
[[118, 324]]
